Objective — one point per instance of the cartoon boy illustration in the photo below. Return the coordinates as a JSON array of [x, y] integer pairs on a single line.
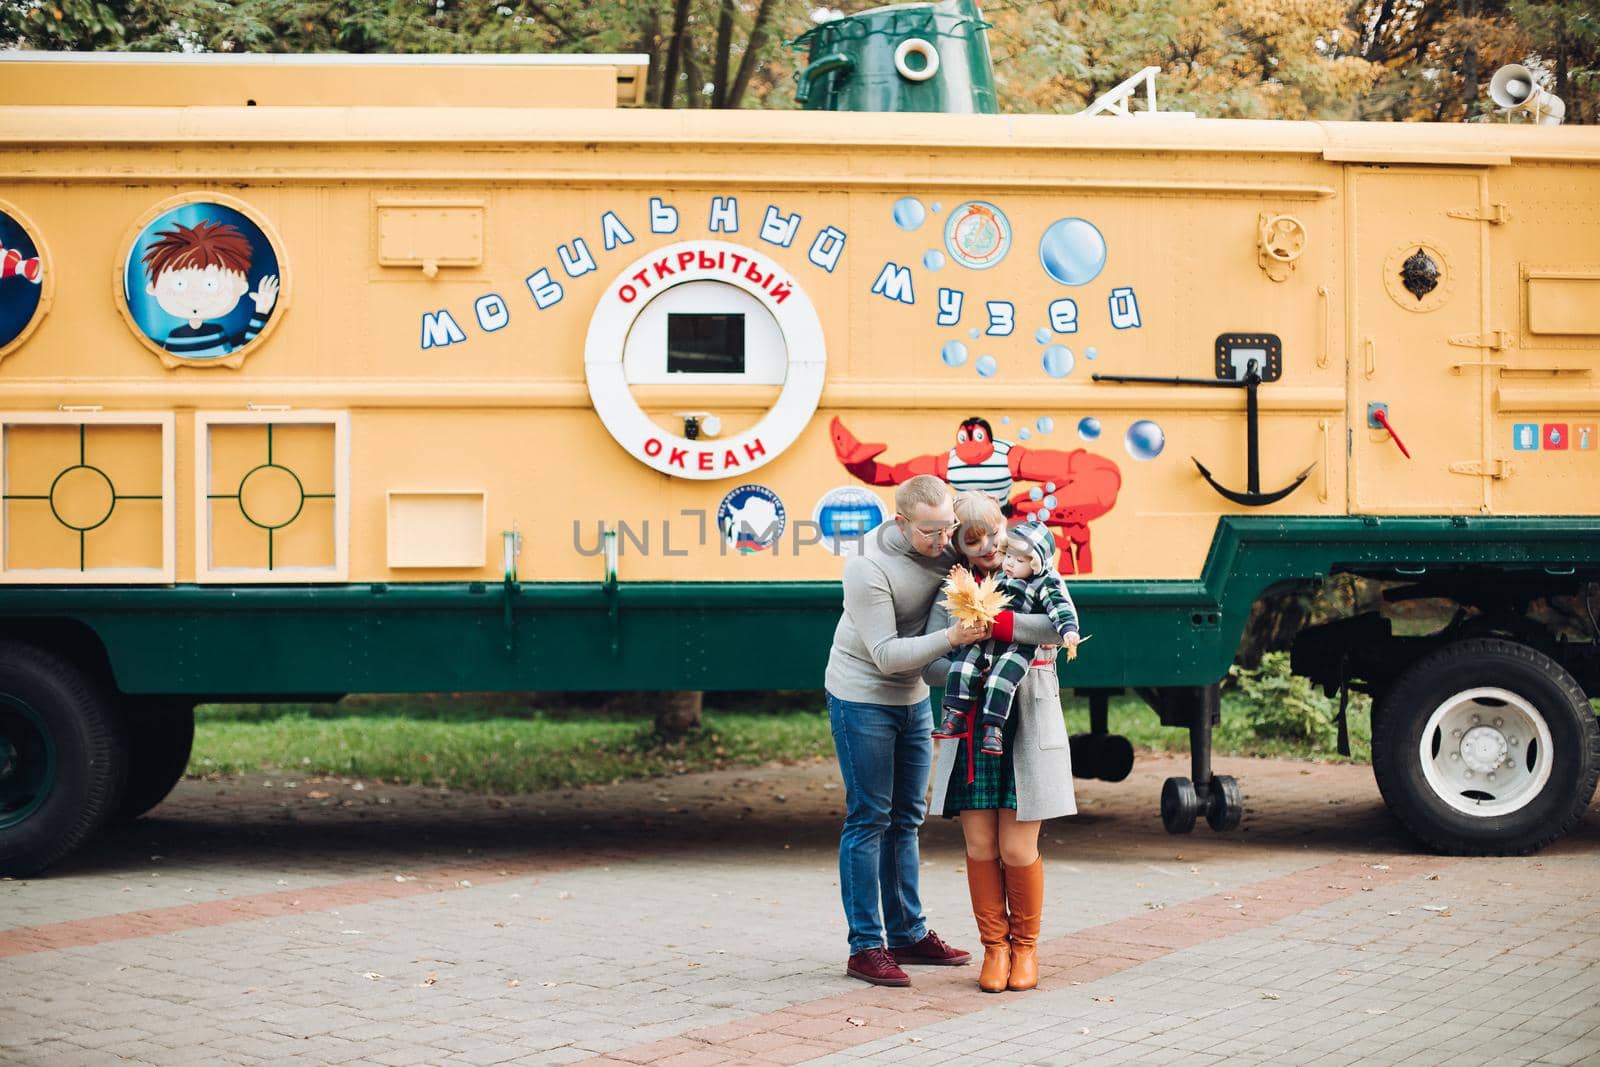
[[199, 273]]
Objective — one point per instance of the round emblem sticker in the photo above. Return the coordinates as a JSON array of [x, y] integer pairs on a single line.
[[22, 282], [844, 516], [977, 235], [751, 518], [201, 282]]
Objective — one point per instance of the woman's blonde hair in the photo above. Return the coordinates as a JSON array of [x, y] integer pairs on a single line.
[[979, 515]]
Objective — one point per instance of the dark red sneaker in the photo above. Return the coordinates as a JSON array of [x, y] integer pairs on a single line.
[[931, 951], [875, 965]]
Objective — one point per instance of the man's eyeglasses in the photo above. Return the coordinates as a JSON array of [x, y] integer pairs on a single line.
[[933, 529]]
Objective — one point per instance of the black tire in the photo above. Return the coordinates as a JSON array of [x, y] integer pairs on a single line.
[[1085, 752], [1180, 805], [1550, 788], [70, 758], [1225, 805], [160, 738], [1116, 758]]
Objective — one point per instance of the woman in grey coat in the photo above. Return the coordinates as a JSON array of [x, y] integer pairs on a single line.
[[1001, 800]]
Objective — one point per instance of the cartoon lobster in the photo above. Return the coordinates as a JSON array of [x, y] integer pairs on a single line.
[[1079, 486]]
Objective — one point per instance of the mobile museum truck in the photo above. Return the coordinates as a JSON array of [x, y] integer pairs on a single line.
[[395, 374]]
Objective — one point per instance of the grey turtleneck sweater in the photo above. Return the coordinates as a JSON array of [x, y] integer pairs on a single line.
[[879, 649]]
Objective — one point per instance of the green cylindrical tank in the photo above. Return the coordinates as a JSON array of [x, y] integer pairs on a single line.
[[906, 57]]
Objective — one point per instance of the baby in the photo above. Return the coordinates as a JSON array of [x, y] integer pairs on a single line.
[[1031, 585]]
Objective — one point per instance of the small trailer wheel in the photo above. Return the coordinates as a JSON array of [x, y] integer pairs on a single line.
[[1180, 805], [1116, 758], [1085, 749], [1225, 805]]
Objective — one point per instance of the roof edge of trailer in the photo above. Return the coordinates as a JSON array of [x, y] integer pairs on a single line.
[[1458, 144]]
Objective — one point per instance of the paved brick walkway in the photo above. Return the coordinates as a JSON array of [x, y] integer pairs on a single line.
[[696, 921]]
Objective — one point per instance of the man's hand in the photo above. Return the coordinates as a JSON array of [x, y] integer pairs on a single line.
[[266, 294], [968, 633]]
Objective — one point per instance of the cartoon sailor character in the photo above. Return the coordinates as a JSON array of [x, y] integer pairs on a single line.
[[199, 274], [1085, 485]]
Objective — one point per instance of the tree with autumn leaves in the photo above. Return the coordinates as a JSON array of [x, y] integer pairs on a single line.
[[1322, 59]]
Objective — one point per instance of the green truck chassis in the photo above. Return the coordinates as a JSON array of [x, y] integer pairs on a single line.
[[97, 684]]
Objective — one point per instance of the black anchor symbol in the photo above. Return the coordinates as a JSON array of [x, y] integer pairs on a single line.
[[1252, 496]]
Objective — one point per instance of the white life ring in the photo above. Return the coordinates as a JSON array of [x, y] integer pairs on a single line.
[[930, 59]]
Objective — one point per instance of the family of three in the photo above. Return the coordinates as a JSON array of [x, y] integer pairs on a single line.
[[895, 638]]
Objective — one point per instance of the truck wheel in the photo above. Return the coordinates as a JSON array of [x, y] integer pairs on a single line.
[[1486, 747], [160, 738], [62, 758]]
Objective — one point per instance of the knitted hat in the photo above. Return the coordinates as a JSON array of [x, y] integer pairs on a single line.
[[1042, 541]]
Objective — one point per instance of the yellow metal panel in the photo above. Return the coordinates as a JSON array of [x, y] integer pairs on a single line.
[[281, 81], [1433, 389], [437, 528], [507, 411], [1564, 304], [429, 235]]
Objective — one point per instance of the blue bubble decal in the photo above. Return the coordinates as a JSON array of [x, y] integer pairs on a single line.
[[1045, 423], [1005, 420], [1089, 428], [1024, 433], [1049, 487], [1072, 251], [909, 213], [1058, 361], [937, 207], [954, 353], [1050, 502], [933, 259], [1036, 493], [987, 366], [1042, 335], [974, 333], [1145, 440], [1091, 352]]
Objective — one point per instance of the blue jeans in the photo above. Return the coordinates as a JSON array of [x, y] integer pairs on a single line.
[[885, 755]]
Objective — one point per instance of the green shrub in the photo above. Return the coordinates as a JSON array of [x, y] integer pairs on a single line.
[[1277, 705]]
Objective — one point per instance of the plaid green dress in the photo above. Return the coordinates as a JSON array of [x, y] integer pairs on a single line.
[[994, 783]]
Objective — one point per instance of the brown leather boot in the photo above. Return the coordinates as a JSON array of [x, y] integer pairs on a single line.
[[1025, 898], [987, 884]]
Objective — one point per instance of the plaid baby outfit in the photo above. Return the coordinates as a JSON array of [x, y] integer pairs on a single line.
[[1007, 663]]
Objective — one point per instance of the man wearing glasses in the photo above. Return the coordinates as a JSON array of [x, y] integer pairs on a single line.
[[882, 728]]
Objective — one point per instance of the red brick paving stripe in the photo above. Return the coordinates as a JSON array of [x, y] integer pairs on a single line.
[[820, 1027], [78, 933]]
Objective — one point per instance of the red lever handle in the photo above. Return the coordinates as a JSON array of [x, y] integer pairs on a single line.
[[1381, 417]]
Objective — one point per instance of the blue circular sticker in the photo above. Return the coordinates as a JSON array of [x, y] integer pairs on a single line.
[[977, 235], [845, 515], [751, 518], [201, 282]]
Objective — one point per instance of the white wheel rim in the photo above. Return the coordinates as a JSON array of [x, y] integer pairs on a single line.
[[916, 46], [1474, 752]]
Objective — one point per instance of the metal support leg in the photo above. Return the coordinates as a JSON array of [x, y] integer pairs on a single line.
[[1100, 753], [1216, 796]]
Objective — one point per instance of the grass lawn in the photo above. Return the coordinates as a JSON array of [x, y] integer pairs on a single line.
[[493, 745]]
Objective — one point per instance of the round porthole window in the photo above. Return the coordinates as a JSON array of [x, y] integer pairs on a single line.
[[699, 328], [26, 279], [203, 281]]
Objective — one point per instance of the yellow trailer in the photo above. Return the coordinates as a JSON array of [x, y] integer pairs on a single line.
[[327, 375]]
